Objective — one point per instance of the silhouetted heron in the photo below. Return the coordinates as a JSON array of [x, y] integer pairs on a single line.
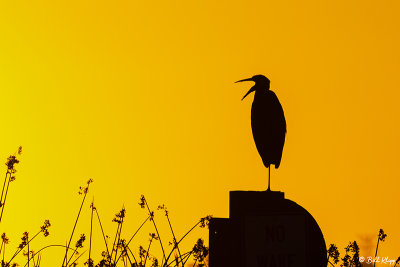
[[267, 122]]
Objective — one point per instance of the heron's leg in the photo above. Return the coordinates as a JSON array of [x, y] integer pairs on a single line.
[[269, 177]]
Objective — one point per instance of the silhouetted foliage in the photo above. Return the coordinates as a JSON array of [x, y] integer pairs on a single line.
[[121, 249], [9, 177], [381, 237], [333, 253], [397, 262], [352, 254], [200, 251], [79, 242], [353, 258]]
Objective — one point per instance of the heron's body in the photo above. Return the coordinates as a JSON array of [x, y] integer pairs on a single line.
[[269, 126]]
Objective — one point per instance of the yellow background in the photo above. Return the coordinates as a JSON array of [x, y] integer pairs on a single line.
[[139, 96]]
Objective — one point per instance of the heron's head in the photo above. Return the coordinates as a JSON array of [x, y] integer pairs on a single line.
[[261, 82]]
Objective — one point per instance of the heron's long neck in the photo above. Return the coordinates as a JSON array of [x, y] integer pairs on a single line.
[[261, 92]]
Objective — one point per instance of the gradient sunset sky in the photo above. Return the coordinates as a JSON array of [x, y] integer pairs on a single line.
[[140, 97]]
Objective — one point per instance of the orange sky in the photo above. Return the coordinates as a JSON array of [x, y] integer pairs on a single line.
[[139, 96]]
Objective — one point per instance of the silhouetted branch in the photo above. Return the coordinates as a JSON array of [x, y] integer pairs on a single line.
[[83, 190], [381, 237], [151, 213], [9, 177], [172, 231], [26, 240], [102, 231], [91, 230], [127, 244], [203, 223]]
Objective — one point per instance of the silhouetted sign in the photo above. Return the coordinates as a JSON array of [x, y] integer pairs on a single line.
[[275, 241], [266, 230]]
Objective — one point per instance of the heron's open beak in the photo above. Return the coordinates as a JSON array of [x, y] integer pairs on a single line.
[[251, 89], [244, 80]]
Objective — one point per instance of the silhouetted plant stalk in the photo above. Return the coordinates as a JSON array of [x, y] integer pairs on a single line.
[[163, 207], [43, 248], [28, 254], [397, 262], [4, 241], [102, 231], [38, 259], [120, 248], [133, 256], [200, 251], [84, 191], [78, 245], [203, 222], [381, 237], [25, 238], [119, 219], [124, 252], [152, 236], [127, 244], [176, 261], [194, 264], [90, 262], [74, 263], [185, 257], [143, 203], [31, 256], [9, 177]]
